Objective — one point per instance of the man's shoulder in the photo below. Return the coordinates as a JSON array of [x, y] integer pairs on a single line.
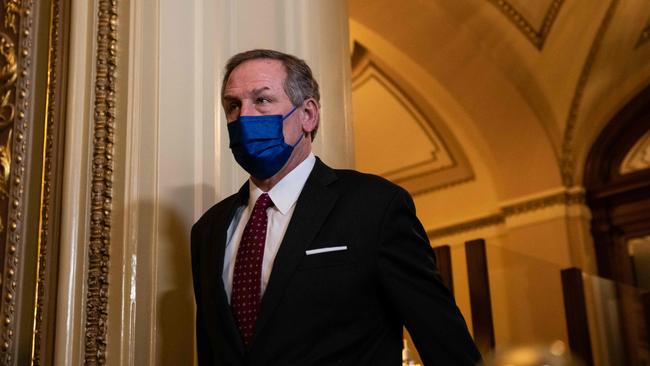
[[356, 181]]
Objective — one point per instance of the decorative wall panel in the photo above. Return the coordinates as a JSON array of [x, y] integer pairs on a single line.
[[415, 152]]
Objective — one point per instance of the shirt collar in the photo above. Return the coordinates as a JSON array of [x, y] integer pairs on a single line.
[[284, 193]]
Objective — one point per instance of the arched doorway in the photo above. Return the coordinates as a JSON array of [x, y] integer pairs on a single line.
[[617, 180]]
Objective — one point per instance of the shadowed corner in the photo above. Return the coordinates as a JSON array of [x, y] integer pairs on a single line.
[[176, 301]]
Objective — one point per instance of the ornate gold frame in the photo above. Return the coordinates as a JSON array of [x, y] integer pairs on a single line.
[[33, 56], [17, 93], [53, 145]]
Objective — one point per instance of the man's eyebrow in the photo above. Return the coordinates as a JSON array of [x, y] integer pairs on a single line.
[[256, 91], [260, 90], [229, 98]]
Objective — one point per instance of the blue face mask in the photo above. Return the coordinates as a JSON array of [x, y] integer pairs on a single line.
[[257, 142]]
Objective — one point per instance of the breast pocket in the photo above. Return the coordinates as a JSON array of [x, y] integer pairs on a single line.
[[326, 256]]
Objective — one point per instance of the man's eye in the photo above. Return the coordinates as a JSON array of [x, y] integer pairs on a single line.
[[232, 106], [263, 100]]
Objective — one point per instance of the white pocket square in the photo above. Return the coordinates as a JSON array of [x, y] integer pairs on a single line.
[[326, 250]]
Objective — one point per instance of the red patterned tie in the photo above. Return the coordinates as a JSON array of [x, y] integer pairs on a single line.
[[247, 277]]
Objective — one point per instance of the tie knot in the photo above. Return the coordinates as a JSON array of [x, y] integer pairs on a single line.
[[263, 202]]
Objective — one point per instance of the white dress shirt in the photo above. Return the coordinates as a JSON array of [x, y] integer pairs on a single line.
[[284, 196]]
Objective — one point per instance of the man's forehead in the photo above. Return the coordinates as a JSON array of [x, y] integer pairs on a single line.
[[258, 73]]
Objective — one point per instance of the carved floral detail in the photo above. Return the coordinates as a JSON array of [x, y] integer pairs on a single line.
[[101, 197], [8, 77], [12, 13]]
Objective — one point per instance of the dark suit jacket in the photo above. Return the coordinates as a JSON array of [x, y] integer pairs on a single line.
[[336, 308]]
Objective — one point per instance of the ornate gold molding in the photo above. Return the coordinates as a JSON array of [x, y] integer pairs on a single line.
[[16, 113], [47, 263], [461, 227], [567, 160], [16, 44], [563, 198], [8, 77], [536, 36], [101, 197]]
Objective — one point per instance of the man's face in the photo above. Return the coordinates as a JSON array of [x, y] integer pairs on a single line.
[[256, 88]]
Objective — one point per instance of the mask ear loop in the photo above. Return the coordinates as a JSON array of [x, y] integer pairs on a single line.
[[302, 134], [299, 139], [290, 113]]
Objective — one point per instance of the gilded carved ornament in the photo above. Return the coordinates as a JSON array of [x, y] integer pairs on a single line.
[[8, 77], [12, 12], [101, 199], [15, 117]]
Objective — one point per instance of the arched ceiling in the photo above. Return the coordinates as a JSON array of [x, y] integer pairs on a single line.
[[538, 79]]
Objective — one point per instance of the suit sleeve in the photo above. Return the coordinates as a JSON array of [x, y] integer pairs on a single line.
[[410, 279], [204, 354]]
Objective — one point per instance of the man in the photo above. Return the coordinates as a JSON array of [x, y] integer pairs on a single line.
[[307, 265]]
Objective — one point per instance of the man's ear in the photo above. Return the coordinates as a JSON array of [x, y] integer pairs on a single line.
[[311, 115]]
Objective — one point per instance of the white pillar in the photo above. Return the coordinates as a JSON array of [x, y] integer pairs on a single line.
[[172, 160]]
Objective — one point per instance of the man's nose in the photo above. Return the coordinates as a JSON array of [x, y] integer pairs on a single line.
[[247, 109]]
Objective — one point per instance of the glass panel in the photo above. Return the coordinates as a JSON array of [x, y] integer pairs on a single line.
[[526, 295], [639, 249], [618, 321], [529, 316]]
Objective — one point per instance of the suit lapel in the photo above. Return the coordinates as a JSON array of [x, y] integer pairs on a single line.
[[312, 208], [215, 260]]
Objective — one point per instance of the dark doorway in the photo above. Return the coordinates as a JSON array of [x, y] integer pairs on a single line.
[[617, 180]]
